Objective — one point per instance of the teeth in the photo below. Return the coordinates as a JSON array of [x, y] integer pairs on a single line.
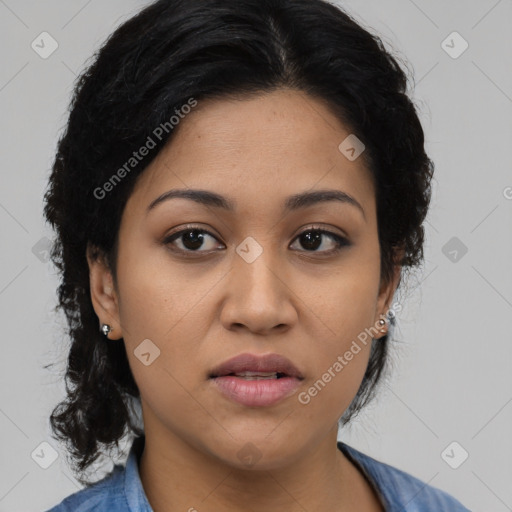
[[257, 375]]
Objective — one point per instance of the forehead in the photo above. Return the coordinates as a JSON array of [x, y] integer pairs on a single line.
[[257, 150]]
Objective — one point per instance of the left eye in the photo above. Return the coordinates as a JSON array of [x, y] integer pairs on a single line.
[[192, 239], [312, 238]]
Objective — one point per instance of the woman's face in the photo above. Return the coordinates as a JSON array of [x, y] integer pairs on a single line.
[[250, 283]]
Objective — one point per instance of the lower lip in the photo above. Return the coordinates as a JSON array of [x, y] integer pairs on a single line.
[[256, 393]]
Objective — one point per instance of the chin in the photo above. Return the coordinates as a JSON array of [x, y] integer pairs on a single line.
[[259, 452]]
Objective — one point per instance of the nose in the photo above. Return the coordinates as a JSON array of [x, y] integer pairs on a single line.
[[259, 297]]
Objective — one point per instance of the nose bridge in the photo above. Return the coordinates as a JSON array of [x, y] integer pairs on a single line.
[[258, 269], [257, 294]]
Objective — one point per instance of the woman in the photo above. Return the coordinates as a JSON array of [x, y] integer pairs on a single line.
[[240, 186]]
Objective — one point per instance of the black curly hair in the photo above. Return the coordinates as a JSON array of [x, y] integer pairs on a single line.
[[169, 52]]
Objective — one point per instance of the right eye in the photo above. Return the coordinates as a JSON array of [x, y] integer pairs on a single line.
[[191, 239]]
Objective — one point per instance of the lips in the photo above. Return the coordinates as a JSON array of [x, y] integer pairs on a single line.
[[256, 381], [253, 367]]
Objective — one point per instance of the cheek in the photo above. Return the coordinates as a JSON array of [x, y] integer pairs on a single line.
[[345, 312], [330, 391], [343, 306], [158, 300], [168, 401]]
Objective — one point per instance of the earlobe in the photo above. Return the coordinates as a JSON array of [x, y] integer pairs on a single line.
[[103, 294]]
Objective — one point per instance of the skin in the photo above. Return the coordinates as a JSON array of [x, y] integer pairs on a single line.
[[293, 300]]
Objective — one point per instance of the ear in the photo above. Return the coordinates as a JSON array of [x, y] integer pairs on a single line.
[[103, 294], [387, 289]]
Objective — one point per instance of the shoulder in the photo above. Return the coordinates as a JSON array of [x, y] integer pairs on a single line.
[[104, 495], [119, 491], [401, 490]]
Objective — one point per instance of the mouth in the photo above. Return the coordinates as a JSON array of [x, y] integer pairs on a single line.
[[254, 367], [256, 381], [255, 375]]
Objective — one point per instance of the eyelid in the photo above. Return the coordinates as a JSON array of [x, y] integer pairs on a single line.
[[322, 228], [174, 235], [341, 240]]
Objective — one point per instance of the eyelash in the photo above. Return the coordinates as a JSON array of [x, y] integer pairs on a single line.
[[341, 241]]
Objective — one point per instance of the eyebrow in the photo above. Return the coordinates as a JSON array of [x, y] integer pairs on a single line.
[[292, 203]]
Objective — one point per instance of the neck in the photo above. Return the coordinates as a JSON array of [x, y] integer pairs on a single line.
[[178, 477]]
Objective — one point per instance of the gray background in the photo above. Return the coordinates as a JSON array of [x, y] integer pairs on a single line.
[[451, 367]]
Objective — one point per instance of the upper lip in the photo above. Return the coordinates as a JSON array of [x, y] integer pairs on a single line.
[[255, 363]]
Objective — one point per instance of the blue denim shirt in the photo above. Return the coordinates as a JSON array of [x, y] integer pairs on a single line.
[[122, 491]]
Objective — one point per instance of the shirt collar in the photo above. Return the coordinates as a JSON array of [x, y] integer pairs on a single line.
[[134, 492], [366, 466]]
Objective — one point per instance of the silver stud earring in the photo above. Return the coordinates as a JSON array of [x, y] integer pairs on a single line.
[[382, 322], [105, 328]]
